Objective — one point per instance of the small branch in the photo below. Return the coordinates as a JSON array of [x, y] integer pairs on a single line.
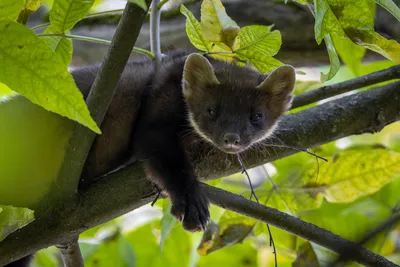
[[23, 16], [239, 204], [71, 254], [100, 97], [347, 86], [95, 40], [386, 225], [155, 44], [161, 4]]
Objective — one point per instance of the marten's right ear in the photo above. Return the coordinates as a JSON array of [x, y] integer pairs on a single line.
[[197, 73]]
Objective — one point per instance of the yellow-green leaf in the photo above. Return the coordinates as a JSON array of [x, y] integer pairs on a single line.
[[353, 20], [9, 9], [29, 67], [257, 45], [231, 229], [333, 58], [216, 25], [13, 218], [349, 52], [33, 5], [60, 45], [66, 13], [193, 31], [357, 172], [140, 3]]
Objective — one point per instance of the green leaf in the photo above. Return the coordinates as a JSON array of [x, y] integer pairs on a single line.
[[9, 9], [126, 252], [257, 45], [193, 31], [45, 258], [216, 25], [353, 20], [306, 256], [349, 52], [66, 13], [390, 6], [13, 218], [334, 60], [357, 172], [33, 5], [167, 223], [60, 45], [140, 3], [231, 229], [31, 68]]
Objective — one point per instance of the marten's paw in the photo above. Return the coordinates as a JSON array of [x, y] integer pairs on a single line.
[[191, 208]]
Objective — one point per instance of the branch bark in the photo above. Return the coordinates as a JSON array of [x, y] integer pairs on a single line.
[[127, 189], [294, 225]]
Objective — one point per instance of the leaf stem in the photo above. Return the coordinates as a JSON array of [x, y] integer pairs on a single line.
[[161, 4], [91, 15], [96, 40]]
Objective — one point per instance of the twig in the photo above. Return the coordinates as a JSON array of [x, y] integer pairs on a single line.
[[387, 224], [347, 86], [100, 97], [155, 44], [95, 40], [325, 238], [71, 254]]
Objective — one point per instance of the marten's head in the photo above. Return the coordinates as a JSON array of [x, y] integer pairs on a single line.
[[234, 107]]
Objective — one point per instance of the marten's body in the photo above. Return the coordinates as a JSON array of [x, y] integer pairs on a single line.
[[156, 119]]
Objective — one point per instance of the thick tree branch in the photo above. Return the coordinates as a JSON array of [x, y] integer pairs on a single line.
[[346, 86], [294, 225], [100, 97], [127, 189]]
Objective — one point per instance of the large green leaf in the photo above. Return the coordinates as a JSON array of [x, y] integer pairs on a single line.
[[216, 25], [9, 9], [66, 13], [193, 31], [354, 20], [167, 223], [349, 52], [32, 69], [13, 218], [257, 45], [357, 172], [60, 45]]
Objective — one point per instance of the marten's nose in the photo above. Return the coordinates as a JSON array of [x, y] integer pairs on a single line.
[[231, 139]]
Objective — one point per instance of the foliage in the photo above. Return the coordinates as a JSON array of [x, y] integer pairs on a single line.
[[359, 184]]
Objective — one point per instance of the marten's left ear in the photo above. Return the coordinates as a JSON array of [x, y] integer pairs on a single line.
[[197, 73], [280, 85]]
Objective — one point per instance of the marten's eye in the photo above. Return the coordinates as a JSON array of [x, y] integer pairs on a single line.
[[211, 112], [256, 118]]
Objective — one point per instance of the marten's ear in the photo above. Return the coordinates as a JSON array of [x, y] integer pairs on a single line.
[[197, 73], [280, 85]]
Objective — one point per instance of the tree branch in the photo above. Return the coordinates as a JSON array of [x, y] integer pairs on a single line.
[[127, 189], [325, 238], [346, 86], [100, 97]]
